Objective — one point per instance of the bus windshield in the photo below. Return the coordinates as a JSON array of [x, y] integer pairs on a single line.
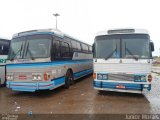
[[122, 46], [30, 47]]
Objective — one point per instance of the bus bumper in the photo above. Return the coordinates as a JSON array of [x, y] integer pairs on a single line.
[[121, 87], [33, 86]]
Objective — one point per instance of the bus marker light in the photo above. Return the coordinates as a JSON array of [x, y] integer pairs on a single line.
[[45, 76], [94, 75], [149, 78]]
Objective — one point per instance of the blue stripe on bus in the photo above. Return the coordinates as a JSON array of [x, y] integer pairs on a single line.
[[112, 85], [46, 64], [33, 86], [82, 73]]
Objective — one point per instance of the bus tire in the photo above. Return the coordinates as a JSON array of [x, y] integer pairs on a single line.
[[72, 79], [68, 79]]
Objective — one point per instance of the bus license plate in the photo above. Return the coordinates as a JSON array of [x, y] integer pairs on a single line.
[[120, 87]]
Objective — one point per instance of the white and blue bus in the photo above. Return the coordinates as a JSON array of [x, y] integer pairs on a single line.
[[122, 60], [46, 59], [4, 48]]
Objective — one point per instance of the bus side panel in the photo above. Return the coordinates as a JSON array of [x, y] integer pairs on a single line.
[[56, 70], [83, 68]]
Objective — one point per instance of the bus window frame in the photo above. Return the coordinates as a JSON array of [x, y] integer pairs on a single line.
[[53, 50]]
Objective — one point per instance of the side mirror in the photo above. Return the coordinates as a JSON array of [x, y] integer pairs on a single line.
[[152, 46]]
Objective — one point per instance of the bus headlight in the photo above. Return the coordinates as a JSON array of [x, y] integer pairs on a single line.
[[36, 76], [140, 78], [99, 76], [9, 77], [102, 76], [39, 77], [143, 78], [105, 77]]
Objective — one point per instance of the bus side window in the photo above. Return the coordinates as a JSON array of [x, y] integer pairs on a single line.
[[90, 49], [65, 50], [57, 54], [74, 45], [79, 46], [84, 48]]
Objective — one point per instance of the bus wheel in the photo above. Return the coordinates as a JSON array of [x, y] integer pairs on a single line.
[[72, 79], [68, 79]]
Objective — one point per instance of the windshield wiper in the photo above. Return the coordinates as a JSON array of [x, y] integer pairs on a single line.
[[115, 50], [28, 50], [19, 51], [126, 49]]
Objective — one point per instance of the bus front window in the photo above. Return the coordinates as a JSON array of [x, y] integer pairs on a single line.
[[37, 47], [30, 47], [135, 46], [130, 46], [16, 49], [107, 47]]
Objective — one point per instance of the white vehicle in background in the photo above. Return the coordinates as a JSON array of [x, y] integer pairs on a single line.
[[122, 60], [4, 48]]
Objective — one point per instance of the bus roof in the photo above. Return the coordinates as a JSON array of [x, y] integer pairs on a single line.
[[38, 31], [56, 32], [122, 31]]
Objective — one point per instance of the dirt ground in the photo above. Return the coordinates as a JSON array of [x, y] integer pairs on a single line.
[[79, 101]]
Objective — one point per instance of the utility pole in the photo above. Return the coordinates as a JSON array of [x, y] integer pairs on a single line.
[[56, 15]]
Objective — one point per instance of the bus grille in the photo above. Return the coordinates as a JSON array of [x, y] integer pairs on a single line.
[[121, 77]]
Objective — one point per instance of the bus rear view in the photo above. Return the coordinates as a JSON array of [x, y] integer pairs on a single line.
[[122, 60]]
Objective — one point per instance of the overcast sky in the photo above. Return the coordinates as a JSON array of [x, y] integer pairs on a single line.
[[80, 18]]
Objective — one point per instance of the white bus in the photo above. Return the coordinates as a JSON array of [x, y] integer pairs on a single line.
[[122, 60], [4, 48], [46, 59]]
